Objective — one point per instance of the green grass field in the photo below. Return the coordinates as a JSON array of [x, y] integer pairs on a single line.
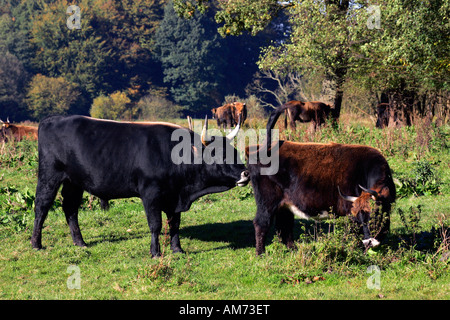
[[218, 237]]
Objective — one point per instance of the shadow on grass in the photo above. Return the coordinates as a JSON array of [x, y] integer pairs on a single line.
[[239, 234]]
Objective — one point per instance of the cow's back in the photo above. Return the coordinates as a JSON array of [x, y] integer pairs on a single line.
[[310, 173], [107, 158]]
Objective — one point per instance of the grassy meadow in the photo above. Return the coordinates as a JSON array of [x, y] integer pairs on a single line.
[[218, 237]]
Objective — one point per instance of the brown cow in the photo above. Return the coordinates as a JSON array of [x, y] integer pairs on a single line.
[[240, 109], [18, 132], [309, 181], [312, 111], [224, 115]]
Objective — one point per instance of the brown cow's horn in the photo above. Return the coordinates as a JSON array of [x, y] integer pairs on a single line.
[[348, 198], [372, 192], [235, 131], [205, 138]]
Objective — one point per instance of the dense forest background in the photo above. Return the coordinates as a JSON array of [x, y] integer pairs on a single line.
[[160, 59]]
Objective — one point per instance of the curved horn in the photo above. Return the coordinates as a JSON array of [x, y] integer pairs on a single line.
[[205, 138], [235, 131], [347, 198], [189, 119], [372, 192]]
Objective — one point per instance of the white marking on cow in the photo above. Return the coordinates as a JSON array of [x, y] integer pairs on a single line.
[[371, 242], [299, 213], [302, 215]]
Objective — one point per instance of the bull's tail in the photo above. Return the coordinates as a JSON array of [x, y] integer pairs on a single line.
[[272, 120]]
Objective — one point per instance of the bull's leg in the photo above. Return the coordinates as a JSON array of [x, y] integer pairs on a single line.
[[154, 221], [262, 224], [45, 195], [174, 229], [72, 196], [284, 224], [229, 123], [292, 119]]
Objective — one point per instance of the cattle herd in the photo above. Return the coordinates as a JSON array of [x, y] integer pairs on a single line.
[[111, 160]]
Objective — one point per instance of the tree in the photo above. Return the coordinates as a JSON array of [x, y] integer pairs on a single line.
[[192, 57], [13, 78], [407, 61], [342, 39], [15, 25], [49, 96], [111, 51], [320, 40], [273, 88]]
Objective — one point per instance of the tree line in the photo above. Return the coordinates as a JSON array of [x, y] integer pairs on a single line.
[[395, 50], [131, 59], [125, 58]]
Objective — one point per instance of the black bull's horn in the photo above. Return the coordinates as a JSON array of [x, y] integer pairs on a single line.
[[207, 140]]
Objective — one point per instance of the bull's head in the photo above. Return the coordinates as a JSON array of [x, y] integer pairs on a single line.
[[364, 207], [214, 112], [5, 124], [220, 152]]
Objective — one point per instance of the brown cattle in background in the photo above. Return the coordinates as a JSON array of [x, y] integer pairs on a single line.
[[228, 114], [240, 109], [312, 111], [18, 132], [224, 115]]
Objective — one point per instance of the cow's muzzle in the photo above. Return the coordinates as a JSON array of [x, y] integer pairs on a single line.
[[245, 178], [371, 243]]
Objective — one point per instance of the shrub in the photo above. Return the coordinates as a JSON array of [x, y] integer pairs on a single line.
[[114, 106], [154, 107], [424, 181], [16, 210], [47, 96]]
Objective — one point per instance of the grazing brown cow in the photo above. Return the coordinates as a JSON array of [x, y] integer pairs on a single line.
[[309, 181], [224, 115], [312, 111], [18, 132]]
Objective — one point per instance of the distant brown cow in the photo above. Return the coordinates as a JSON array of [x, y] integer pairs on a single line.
[[18, 132], [228, 114], [224, 115], [312, 111], [240, 109]]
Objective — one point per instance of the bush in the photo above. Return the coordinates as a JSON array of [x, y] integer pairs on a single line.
[[155, 107], [424, 181], [47, 96], [114, 106], [17, 207]]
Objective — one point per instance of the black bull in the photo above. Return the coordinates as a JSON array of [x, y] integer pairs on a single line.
[[120, 160]]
